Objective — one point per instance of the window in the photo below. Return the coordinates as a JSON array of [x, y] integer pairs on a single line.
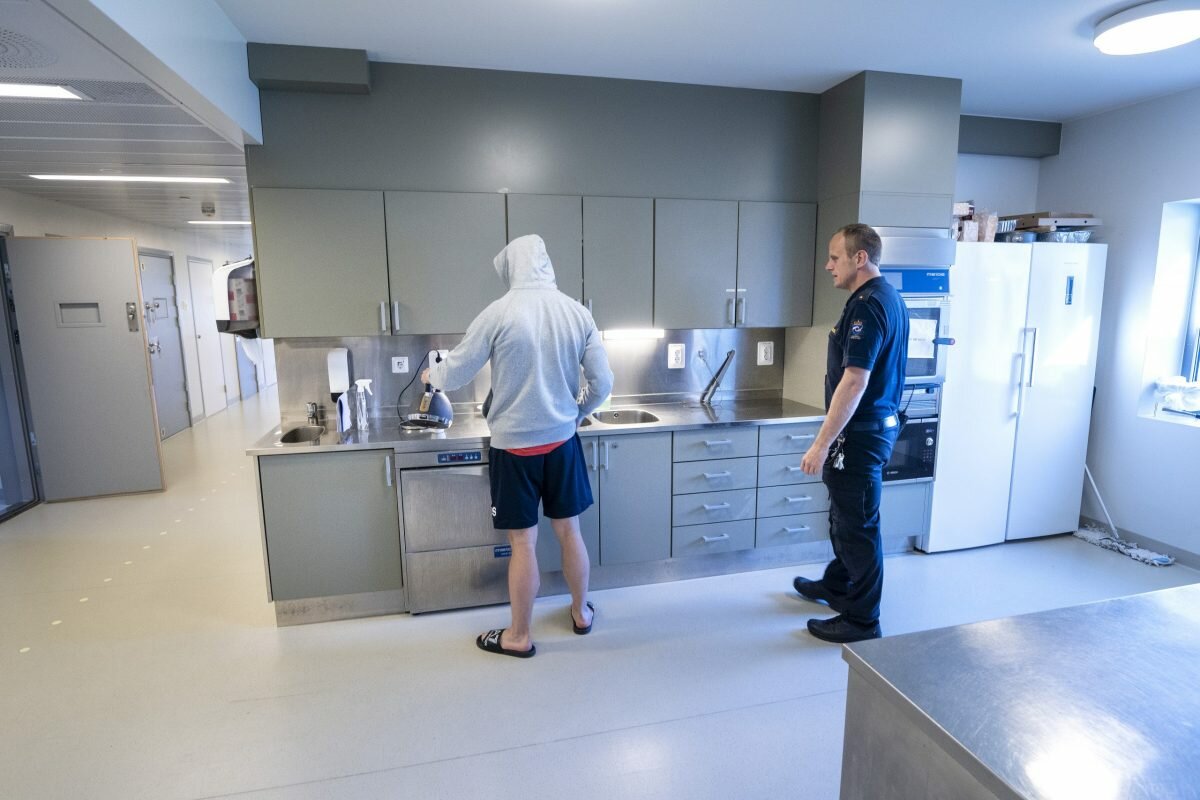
[[1191, 346]]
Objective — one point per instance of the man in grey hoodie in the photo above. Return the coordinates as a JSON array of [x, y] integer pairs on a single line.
[[536, 338]]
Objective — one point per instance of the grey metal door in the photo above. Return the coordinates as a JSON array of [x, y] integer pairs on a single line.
[[161, 313], [635, 498], [558, 219], [695, 263], [618, 261], [17, 488], [247, 374], [79, 312]]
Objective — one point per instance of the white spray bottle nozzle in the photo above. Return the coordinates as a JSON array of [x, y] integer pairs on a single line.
[[364, 384]]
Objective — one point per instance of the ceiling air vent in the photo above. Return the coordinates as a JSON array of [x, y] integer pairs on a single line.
[[18, 51]]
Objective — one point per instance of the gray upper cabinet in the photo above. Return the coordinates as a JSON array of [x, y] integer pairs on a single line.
[[635, 498], [695, 263], [776, 246], [440, 247], [320, 261], [558, 219], [332, 523], [618, 261]]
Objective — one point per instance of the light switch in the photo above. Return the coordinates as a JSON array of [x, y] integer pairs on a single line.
[[675, 358], [766, 354], [399, 364]]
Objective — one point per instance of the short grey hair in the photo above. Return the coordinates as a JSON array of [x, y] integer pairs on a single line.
[[862, 237]]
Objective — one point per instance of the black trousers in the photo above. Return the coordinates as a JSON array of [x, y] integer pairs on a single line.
[[856, 573]]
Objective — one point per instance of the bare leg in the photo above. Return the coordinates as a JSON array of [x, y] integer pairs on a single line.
[[523, 582], [576, 566]]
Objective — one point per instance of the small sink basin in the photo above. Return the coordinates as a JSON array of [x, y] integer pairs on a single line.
[[625, 416], [304, 433]]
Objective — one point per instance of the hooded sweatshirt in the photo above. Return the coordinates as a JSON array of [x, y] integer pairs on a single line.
[[536, 338]]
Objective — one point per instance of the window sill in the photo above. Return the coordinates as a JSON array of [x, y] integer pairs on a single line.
[[1175, 419]]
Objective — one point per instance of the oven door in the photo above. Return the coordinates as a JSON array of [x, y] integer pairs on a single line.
[[927, 330], [915, 451]]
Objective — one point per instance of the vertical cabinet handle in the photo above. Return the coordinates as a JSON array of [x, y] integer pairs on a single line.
[[589, 305], [387, 469], [606, 455], [383, 328], [741, 311], [395, 316], [729, 311], [595, 457]]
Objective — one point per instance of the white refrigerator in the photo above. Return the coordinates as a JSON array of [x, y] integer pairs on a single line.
[[1016, 405]]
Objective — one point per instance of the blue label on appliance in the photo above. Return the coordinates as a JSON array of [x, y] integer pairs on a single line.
[[1070, 290], [466, 457], [918, 280], [502, 551]]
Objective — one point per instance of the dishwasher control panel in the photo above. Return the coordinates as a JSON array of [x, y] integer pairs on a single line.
[[465, 457]]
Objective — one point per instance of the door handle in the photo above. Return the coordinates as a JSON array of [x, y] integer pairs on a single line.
[[383, 328], [387, 469], [395, 316], [710, 539], [715, 506], [131, 314]]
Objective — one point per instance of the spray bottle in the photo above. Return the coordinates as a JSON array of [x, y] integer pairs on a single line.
[[360, 413]]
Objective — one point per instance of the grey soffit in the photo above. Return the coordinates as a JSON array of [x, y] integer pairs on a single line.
[[996, 136]]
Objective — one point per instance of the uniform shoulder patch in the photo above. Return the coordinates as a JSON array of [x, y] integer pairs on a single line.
[[856, 328]]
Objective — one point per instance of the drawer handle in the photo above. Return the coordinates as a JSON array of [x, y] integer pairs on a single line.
[[711, 539], [801, 529], [712, 476], [799, 437], [793, 468], [716, 506], [803, 499], [717, 442]]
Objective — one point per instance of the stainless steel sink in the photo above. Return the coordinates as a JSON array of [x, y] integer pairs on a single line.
[[625, 416], [302, 434]]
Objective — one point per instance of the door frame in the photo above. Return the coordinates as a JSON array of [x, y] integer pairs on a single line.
[[223, 392], [170, 257], [7, 340]]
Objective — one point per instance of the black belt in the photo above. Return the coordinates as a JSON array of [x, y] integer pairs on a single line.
[[865, 425]]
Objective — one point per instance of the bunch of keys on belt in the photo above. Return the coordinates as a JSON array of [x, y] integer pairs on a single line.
[[838, 456]]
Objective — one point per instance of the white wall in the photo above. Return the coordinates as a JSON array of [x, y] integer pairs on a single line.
[[34, 216], [1123, 166], [1001, 184]]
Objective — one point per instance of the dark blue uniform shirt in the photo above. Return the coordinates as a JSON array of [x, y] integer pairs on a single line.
[[872, 334]]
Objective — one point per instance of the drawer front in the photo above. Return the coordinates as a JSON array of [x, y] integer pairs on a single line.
[[738, 442], [723, 537], [468, 576], [792, 529], [720, 475], [700, 509], [774, 440], [802, 498], [783, 470]]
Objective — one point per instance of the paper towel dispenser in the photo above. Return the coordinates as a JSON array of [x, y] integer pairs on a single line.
[[235, 299]]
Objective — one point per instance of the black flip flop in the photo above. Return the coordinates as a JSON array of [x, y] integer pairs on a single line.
[[490, 642], [588, 629]]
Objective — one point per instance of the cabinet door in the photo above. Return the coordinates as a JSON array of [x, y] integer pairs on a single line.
[[549, 554], [635, 498], [904, 509], [558, 219], [695, 263], [320, 262], [618, 261], [440, 247], [331, 523], [776, 247]]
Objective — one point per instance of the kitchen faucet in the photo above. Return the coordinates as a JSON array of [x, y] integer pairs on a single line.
[[714, 384], [312, 414]]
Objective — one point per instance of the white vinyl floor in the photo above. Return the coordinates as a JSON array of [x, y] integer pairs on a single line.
[[139, 659]]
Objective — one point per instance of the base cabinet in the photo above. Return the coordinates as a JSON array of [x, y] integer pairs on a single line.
[[331, 522]]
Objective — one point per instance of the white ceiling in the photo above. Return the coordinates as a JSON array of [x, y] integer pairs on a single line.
[[128, 127], [1031, 59]]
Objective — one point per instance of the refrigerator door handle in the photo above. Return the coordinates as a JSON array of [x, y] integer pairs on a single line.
[[1032, 358]]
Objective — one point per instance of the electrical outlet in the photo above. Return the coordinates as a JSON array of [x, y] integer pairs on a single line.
[[435, 356], [399, 364], [766, 354], [675, 359]]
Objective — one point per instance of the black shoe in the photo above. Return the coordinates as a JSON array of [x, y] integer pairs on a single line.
[[816, 592], [841, 630]]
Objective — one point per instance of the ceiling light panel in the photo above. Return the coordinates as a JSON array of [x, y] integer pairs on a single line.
[[130, 178], [1148, 28], [39, 91]]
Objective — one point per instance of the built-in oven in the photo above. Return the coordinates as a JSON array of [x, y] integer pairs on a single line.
[[915, 453], [928, 338]]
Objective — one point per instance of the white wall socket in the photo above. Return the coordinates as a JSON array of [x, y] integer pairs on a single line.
[[675, 356], [399, 364], [766, 354]]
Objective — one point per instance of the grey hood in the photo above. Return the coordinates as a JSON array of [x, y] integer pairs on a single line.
[[523, 264]]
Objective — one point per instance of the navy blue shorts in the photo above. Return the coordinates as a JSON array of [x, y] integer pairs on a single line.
[[558, 479]]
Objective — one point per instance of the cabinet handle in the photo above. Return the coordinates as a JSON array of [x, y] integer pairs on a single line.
[[801, 529], [793, 468], [396, 316], [595, 457], [712, 476], [717, 442], [710, 539], [387, 469], [729, 310], [803, 499], [715, 506], [800, 437], [741, 311], [383, 316], [606, 455], [589, 305]]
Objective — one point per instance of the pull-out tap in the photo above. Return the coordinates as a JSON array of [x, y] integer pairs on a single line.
[[312, 414], [707, 395]]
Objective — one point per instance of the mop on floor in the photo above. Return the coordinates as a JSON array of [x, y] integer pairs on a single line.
[[1094, 534]]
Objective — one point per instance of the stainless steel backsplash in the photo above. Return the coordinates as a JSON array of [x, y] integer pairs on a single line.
[[639, 368]]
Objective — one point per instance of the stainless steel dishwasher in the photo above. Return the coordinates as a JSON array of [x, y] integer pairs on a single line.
[[453, 557]]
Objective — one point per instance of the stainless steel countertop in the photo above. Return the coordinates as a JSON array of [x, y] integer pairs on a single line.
[[471, 427], [1097, 701]]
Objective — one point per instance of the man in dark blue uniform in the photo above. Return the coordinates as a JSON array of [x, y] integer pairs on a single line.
[[863, 383]]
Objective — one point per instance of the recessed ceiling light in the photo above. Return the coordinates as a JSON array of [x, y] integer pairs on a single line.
[[1150, 27], [40, 91], [218, 222], [130, 178]]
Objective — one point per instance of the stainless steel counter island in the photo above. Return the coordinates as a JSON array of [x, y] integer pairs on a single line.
[[1095, 701]]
